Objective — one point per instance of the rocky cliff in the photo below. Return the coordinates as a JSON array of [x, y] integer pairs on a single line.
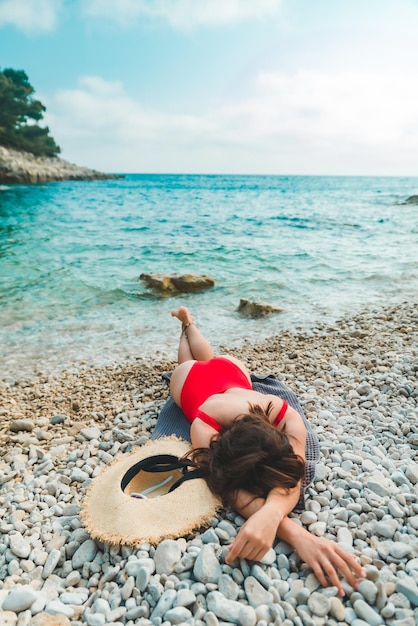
[[23, 167]]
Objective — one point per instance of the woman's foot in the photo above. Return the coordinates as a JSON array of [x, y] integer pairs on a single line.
[[183, 314]]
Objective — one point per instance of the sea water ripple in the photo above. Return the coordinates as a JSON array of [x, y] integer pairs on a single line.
[[71, 254]]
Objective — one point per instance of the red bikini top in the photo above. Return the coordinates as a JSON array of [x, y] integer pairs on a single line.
[[281, 413], [210, 421]]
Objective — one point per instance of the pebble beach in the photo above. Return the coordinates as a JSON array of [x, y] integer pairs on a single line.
[[357, 382]]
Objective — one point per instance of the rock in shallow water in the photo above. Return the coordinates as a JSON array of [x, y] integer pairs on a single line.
[[177, 283], [412, 200], [249, 308]]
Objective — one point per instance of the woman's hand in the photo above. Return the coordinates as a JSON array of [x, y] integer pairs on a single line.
[[266, 520], [326, 558], [255, 537]]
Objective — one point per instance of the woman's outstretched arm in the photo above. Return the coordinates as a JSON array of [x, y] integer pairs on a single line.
[[263, 518], [264, 523], [324, 556]]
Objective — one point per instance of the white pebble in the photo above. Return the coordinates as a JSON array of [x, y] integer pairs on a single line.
[[386, 528], [164, 604], [19, 598], [90, 433], [367, 613], [177, 615], [308, 517], [8, 618], [337, 609], [51, 563], [84, 554], [344, 536], [78, 476], [207, 568], [269, 558], [185, 597], [19, 546], [229, 610], [166, 557], [368, 590], [318, 528], [95, 619], [256, 593]]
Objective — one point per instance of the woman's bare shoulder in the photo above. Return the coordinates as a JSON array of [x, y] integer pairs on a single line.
[[294, 426]]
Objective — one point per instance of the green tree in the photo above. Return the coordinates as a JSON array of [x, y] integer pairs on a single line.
[[19, 114]]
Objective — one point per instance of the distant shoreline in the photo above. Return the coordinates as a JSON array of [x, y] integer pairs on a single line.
[[18, 167]]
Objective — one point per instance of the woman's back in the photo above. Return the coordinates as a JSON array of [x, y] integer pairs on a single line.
[[220, 388], [225, 408]]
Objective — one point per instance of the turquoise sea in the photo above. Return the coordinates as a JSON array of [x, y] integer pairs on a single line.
[[71, 254]]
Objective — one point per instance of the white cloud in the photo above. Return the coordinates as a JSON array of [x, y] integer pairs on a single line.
[[183, 13], [302, 123], [363, 109], [30, 15]]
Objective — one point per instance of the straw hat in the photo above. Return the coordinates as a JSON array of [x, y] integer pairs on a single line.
[[130, 503]]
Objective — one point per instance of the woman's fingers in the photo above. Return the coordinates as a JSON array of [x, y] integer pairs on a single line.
[[349, 566], [233, 554], [248, 552], [333, 562], [245, 550], [236, 550], [328, 560], [330, 568], [248, 545]]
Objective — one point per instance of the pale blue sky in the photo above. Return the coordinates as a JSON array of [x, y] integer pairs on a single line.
[[228, 86]]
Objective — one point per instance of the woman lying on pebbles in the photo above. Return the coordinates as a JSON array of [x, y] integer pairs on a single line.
[[251, 448]]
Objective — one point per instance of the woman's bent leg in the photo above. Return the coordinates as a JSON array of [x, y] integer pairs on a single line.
[[178, 378], [192, 345], [184, 352]]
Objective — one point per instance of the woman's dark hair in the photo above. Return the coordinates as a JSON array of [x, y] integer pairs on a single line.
[[252, 455]]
